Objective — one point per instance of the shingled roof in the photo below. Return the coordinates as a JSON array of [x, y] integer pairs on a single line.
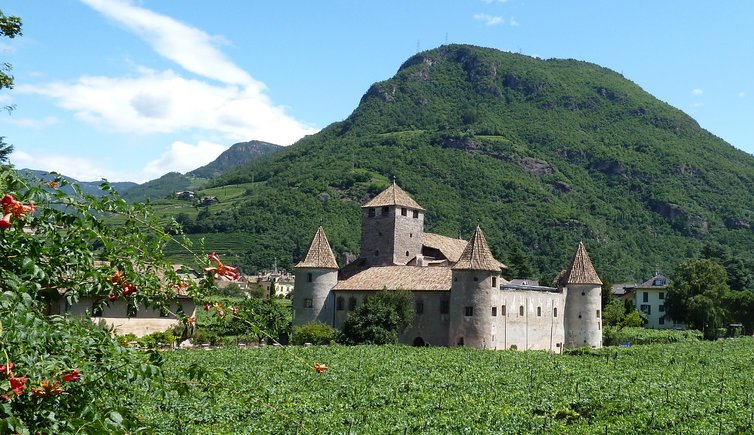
[[393, 195], [415, 278], [581, 270], [451, 248], [477, 255], [320, 255]]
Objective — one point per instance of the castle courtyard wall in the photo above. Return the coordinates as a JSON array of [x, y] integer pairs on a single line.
[[530, 319]]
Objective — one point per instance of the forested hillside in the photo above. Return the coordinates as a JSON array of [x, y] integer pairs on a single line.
[[540, 153]]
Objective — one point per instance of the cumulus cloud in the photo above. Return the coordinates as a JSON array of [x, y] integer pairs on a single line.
[[80, 168], [189, 47], [164, 102], [183, 157], [697, 91], [489, 20]]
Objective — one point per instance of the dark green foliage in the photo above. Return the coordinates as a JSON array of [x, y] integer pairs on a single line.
[[695, 295], [314, 333], [380, 319]]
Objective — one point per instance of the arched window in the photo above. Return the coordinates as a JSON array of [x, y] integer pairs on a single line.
[[539, 311], [339, 303], [521, 310], [555, 312]]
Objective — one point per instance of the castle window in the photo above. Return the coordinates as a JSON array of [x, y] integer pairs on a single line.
[[309, 277], [307, 303], [539, 311], [598, 314], [385, 210], [410, 235], [406, 253], [404, 212], [351, 303], [662, 295], [494, 281], [645, 297], [371, 212], [97, 310], [521, 310], [444, 307], [468, 311], [416, 214], [339, 303], [502, 310], [419, 307], [494, 311], [555, 312]]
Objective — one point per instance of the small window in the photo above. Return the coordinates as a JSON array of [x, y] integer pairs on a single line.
[[494, 282], [539, 311], [339, 303], [404, 212], [97, 309], [468, 311], [416, 214], [662, 295], [406, 253], [307, 303], [494, 311], [309, 277], [419, 307], [521, 310], [662, 320], [385, 210], [661, 308], [555, 312], [502, 310], [371, 212], [351, 303], [658, 282], [598, 314], [444, 307], [645, 297], [646, 309]]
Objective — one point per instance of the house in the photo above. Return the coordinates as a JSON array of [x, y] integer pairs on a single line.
[[649, 298], [460, 297]]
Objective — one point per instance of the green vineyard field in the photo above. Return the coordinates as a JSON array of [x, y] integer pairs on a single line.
[[685, 388]]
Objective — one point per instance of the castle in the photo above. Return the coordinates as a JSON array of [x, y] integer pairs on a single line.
[[460, 298]]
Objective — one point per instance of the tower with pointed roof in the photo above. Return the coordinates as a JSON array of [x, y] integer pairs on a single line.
[[583, 302], [473, 295], [391, 228], [316, 275]]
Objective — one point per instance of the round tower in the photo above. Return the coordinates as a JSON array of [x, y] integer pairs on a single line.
[[473, 294], [583, 302], [316, 275]]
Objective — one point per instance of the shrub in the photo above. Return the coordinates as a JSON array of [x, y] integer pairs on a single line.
[[315, 333]]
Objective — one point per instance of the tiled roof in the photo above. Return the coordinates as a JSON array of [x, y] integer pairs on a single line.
[[651, 283], [451, 248], [477, 255], [414, 278], [393, 195], [320, 255], [581, 270]]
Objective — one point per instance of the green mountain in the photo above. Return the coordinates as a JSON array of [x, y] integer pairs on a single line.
[[162, 187], [540, 153], [236, 155], [88, 187]]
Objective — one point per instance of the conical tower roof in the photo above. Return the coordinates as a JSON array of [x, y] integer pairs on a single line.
[[581, 270], [477, 255], [320, 255], [393, 195]]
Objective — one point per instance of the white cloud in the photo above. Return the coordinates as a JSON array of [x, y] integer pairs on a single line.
[[189, 47], [32, 122], [697, 91], [183, 157], [164, 102], [79, 168], [488, 20]]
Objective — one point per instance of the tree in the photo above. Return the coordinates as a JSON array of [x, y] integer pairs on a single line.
[[380, 319], [518, 264], [9, 27], [695, 295], [607, 293]]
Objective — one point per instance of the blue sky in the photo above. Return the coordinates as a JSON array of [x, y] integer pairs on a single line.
[[131, 89]]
